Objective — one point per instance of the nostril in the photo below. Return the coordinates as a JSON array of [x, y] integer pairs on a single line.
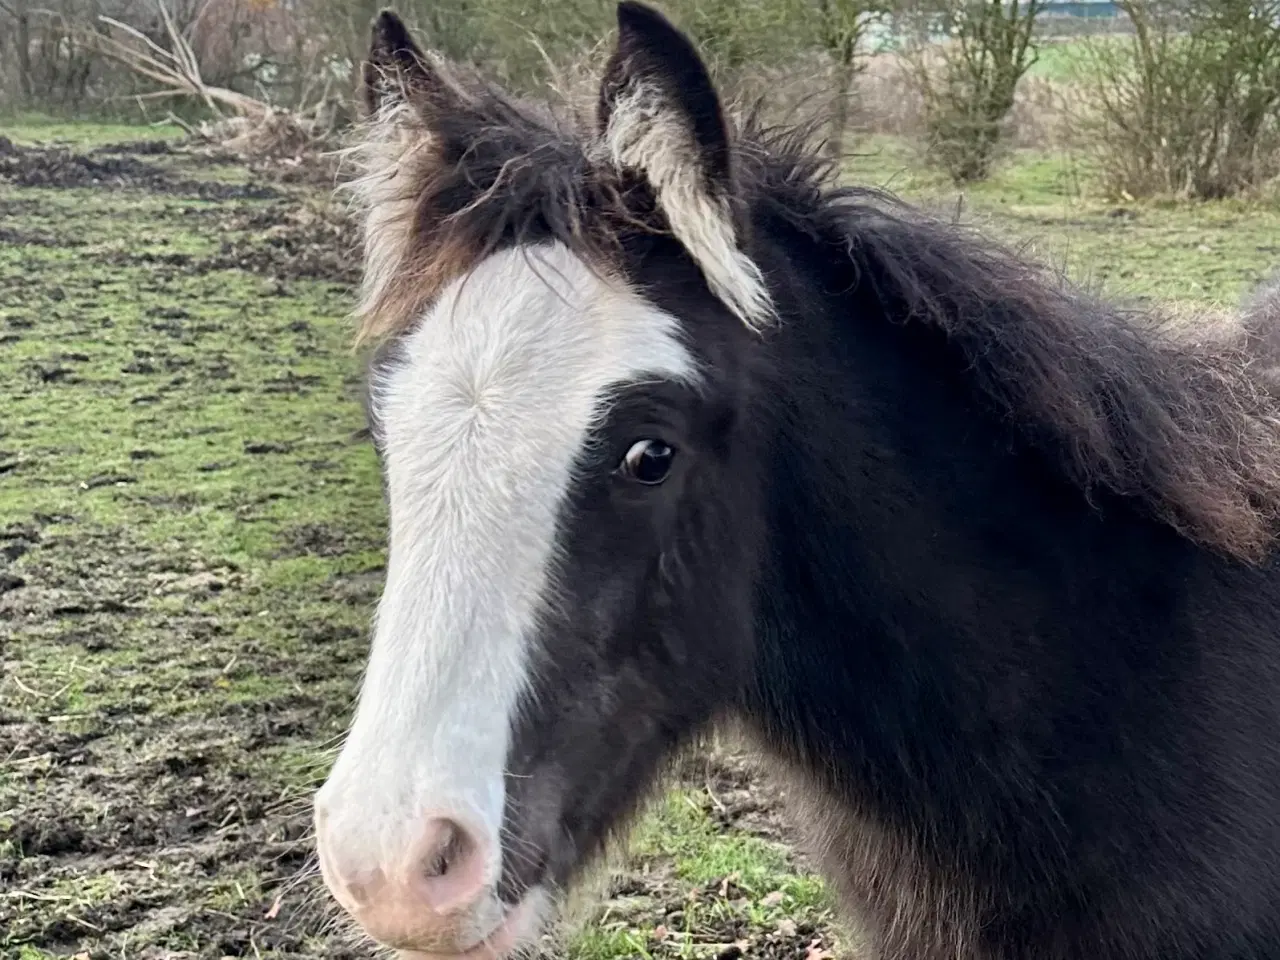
[[440, 867], [451, 864], [449, 850]]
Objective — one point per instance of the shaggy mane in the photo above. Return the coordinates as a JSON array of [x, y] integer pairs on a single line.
[[1184, 419], [1123, 402]]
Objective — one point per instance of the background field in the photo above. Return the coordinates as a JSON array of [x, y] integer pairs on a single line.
[[191, 532]]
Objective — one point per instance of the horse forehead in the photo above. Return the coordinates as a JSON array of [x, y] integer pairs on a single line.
[[535, 334], [500, 386]]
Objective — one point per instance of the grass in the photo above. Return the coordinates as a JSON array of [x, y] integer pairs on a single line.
[[706, 889], [191, 531], [681, 833], [1206, 253], [177, 439], [28, 128], [1060, 60]]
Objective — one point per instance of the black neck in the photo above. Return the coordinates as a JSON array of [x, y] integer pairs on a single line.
[[933, 588]]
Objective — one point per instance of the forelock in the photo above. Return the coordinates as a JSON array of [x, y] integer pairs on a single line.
[[437, 190], [436, 194]]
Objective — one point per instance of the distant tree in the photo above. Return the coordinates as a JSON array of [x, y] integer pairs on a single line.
[[18, 15], [843, 26], [736, 34], [968, 82]]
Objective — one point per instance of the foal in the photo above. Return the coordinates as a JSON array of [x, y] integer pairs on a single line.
[[675, 429]]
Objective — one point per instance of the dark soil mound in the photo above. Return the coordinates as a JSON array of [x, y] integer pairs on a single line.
[[58, 167]]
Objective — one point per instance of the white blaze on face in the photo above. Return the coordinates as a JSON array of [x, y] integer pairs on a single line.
[[483, 419]]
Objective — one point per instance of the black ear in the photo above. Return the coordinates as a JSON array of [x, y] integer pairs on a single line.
[[657, 64], [395, 66]]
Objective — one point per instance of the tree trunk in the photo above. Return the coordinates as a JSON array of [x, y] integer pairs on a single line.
[[22, 39], [845, 73]]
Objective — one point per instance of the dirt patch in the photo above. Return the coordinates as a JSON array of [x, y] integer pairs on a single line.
[[36, 238], [287, 240], [128, 806], [283, 223], [61, 168], [313, 242], [138, 148], [322, 540]]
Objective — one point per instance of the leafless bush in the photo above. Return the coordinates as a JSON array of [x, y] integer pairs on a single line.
[[886, 99], [843, 29], [245, 123], [1189, 105], [51, 62], [1042, 114], [50, 59]]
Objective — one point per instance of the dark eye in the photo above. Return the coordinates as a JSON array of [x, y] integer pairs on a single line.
[[648, 461]]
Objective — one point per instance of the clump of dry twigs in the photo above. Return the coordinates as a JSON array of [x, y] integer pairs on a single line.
[[242, 123]]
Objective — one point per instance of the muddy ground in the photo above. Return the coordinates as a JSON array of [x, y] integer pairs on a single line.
[[191, 535]]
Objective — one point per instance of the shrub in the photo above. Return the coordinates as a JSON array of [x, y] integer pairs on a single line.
[[968, 82], [1187, 106]]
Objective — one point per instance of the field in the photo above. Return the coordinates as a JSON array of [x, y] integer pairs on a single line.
[[191, 532]]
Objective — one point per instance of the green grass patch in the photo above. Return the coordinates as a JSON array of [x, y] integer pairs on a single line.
[[32, 128]]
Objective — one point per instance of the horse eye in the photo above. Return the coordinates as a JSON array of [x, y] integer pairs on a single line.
[[648, 461]]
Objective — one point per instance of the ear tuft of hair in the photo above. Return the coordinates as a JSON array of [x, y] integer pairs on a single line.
[[394, 154], [395, 66], [660, 117], [652, 52]]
